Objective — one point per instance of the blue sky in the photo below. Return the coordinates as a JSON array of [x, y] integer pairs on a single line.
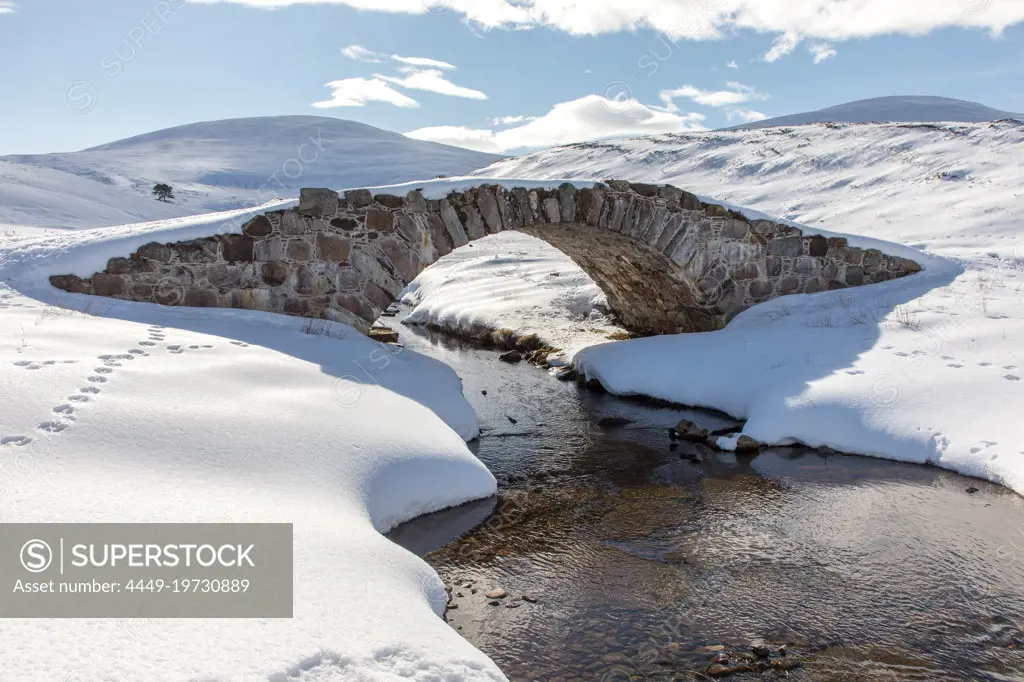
[[78, 74]]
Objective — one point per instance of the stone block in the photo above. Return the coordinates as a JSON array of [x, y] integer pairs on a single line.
[[109, 285], [258, 227], [157, 252], [318, 202], [389, 201], [299, 250], [201, 298], [854, 275], [817, 246], [237, 248], [269, 250], [70, 283], [293, 225], [345, 224], [332, 248], [380, 220], [358, 198], [275, 274], [789, 247]]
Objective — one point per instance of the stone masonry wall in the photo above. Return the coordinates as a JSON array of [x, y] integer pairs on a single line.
[[668, 262]]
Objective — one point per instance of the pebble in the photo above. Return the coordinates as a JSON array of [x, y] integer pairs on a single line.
[[496, 593]]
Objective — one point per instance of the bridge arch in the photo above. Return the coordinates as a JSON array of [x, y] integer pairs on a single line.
[[668, 262]]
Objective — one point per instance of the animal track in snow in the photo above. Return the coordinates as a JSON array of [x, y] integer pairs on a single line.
[[89, 389], [15, 441], [954, 365], [54, 426], [97, 380], [984, 364], [137, 352], [855, 371], [1012, 377], [148, 344], [79, 398], [103, 370], [64, 409], [239, 344]]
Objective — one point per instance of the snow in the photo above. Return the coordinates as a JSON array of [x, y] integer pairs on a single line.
[[214, 166], [923, 369], [513, 281], [130, 412], [891, 109]]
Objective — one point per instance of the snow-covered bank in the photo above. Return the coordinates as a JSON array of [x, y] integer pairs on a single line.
[[140, 413], [924, 369]]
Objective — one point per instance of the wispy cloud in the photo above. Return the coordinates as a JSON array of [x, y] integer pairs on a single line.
[[589, 118], [821, 52], [511, 120], [362, 54], [732, 64], [782, 46], [8, 7], [738, 93], [357, 92], [431, 80]]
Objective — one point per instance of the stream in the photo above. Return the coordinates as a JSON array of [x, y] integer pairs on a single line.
[[627, 556]]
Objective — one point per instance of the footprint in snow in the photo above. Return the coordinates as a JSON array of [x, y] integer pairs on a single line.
[[64, 409], [954, 365], [1012, 377], [79, 398], [54, 426], [984, 364], [855, 371], [147, 343], [136, 352], [239, 344], [15, 441], [97, 380], [92, 390]]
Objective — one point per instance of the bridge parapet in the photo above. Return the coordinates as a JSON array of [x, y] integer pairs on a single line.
[[668, 262]]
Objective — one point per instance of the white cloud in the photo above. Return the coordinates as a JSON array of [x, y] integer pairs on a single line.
[[8, 7], [831, 20], [424, 62], [732, 64], [821, 52], [361, 54], [510, 120], [745, 115], [589, 118], [738, 93], [782, 46], [432, 80], [357, 92]]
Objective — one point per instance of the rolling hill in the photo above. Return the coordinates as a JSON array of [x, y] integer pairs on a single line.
[[214, 166]]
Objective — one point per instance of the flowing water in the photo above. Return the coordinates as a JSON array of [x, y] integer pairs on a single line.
[[628, 557]]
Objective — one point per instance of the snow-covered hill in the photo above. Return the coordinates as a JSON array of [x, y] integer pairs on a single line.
[[891, 109], [214, 166]]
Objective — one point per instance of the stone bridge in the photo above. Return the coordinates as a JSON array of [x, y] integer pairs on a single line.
[[668, 262]]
